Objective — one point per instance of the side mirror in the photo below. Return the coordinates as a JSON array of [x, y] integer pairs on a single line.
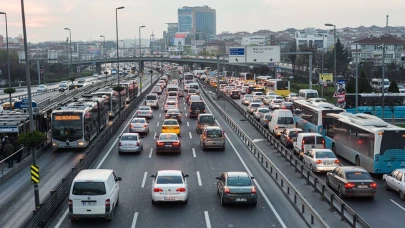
[[152, 175], [118, 179], [218, 178], [252, 177], [186, 175]]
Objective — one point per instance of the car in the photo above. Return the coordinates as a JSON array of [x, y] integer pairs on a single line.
[[196, 108], [287, 105], [268, 98], [173, 114], [42, 88], [145, 111], [181, 93], [235, 94], [255, 100], [246, 99], [168, 142], [252, 107], [139, 125], [163, 82], [275, 104], [264, 120], [171, 105], [188, 97], [6, 105], [171, 126], [258, 95], [171, 98], [63, 87], [291, 97], [169, 186], [289, 136], [395, 181], [236, 187], [172, 94], [157, 89], [194, 98], [320, 160], [204, 120], [212, 137], [130, 142], [260, 112], [162, 86], [351, 181]]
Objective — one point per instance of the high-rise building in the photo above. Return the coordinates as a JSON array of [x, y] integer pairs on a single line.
[[201, 19]]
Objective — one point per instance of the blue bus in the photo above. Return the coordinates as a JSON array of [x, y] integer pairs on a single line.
[[367, 141], [370, 103]]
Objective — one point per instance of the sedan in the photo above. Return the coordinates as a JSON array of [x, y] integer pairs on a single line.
[[246, 99], [173, 114], [169, 186], [157, 89], [171, 126], [130, 142], [287, 105], [42, 88], [171, 105], [260, 112], [275, 103], [320, 160], [252, 107], [171, 98], [145, 111], [168, 142], [139, 125], [351, 181], [236, 187], [264, 121], [395, 181]]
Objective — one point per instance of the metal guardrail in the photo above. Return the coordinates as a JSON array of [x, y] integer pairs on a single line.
[[326, 193], [26, 95], [57, 197]]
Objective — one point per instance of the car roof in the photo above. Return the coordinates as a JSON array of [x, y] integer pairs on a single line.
[[206, 114], [129, 134], [237, 174], [322, 150], [169, 172], [139, 118], [353, 168], [93, 175], [170, 120], [213, 128]]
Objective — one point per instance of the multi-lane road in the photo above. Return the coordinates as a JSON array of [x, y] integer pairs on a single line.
[[17, 193], [203, 208]]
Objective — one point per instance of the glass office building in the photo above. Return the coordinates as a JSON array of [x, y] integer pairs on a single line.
[[201, 19]]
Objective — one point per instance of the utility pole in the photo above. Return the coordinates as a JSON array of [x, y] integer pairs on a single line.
[[383, 81], [323, 54]]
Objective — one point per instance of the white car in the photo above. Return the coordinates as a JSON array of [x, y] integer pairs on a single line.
[[291, 97], [139, 125], [42, 88], [252, 107], [171, 105], [162, 82], [157, 89], [395, 181], [268, 98], [275, 103], [321, 160], [246, 99], [260, 112], [172, 98], [169, 186], [258, 95], [145, 111]]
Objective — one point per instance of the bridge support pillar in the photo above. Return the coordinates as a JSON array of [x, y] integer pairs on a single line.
[[98, 68]]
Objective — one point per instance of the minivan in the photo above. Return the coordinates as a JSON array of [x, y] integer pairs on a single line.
[[204, 120], [196, 108], [308, 141], [213, 137], [152, 100], [94, 194], [308, 93], [281, 119]]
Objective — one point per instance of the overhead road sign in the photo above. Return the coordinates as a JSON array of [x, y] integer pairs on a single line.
[[262, 54], [237, 55], [35, 174]]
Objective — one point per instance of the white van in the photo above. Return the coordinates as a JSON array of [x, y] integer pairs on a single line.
[[281, 119], [308, 141], [308, 93], [152, 100], [94, 194], [172, 88]]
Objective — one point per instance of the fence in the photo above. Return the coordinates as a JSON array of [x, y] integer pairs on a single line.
[[58, 196], [346, 213]]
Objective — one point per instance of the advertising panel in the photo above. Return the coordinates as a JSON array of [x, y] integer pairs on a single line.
[[341, 93]]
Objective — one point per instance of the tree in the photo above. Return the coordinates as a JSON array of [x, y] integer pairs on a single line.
[[342, 59], [32, 139], [118, 88], [72, 79], [351, 85], [364, 84], [393, 88], [9, 91]]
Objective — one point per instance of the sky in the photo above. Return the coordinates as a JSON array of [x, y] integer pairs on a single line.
[[88, 19]]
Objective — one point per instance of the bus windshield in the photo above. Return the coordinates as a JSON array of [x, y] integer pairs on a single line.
[[67, 127], [392, 140], [282, 85]]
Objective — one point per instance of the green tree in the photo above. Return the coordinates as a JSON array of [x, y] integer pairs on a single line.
[[364, 84], [292, 47], [72, 79], [342, 60], [351, 85], [393, 88], [9, 91], [118, 88], [32, 139]]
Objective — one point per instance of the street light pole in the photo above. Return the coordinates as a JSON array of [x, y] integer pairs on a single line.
[[334, 51], [140, 58], [118, 61], [8, 57], [105, 60], [70, 49], [150, 43], [383, 81], [31, 118]]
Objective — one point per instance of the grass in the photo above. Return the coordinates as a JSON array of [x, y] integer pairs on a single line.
[[327, 92]]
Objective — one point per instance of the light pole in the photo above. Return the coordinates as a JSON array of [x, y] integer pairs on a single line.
[[31, 118], [123, 46], [334, 50], [8, 57], [105, 60], [70, 49], [150, 43], [140, 58], [118, 61], [383, 81]]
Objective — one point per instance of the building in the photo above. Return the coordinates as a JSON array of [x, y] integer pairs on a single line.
[[88, 51], [197, 19], [215, 47], [317, 37], [15, 43], [256, 40], [370, 49]]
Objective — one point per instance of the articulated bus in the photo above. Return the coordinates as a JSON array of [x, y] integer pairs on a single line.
[[248, 78], [113, 100], [367, 141], [131, 90], [76, 124], [280, 87], [313, 117]]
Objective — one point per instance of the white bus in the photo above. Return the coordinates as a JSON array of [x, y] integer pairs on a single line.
[[368, 141]]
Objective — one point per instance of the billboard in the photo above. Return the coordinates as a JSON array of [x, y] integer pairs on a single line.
[[180, 35], [325, 77]]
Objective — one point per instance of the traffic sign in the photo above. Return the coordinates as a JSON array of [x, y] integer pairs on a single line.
[[35, 174], [262, 54], [271, 64], [278, 70], [325, 77], [78, 69], [24, 104], [236, 55]]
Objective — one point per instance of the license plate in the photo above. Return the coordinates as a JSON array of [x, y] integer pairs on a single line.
[[197, 111], [168, 145], [89, 203], [169, 198], [362, 186], [240, 199], [129, 144], [327, 163]]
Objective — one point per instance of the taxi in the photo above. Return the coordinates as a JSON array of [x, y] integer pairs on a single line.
[[6, 105], [171, 126]]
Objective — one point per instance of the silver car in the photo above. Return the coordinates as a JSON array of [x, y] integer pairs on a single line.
[[139, 125], [212, 137], [319, 160], [145, 111], [246, 99], [253, 106], [260, 112], [130, 142]]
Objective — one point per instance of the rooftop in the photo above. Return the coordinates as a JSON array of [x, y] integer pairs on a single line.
[[384, 39]]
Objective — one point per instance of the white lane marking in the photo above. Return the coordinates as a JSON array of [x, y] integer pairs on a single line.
[[160, 114], [397, 204], [134, 220], [188, 125], [250, 173], [194, 153], [154, 136], [186, 114], [185, 108], [150, 153], [207, 219], [161, 108], [61, 219], [199, 178], [189, 133], [157, 124], [144, 179]]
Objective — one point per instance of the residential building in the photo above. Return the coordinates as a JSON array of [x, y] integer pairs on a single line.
[[215, 47], [257, 40], [197, 19], [317, 37], [15, 43]]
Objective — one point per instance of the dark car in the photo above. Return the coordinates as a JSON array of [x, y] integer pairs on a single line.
[[235, 94], [236, 187], [196, 108], [168, 142], [289, 136], [173, 114], [351, 181]]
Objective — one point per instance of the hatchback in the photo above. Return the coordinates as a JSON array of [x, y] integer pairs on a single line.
[[212, 137]]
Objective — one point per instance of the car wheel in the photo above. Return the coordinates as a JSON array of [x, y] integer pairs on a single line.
[[222, 201], [204, 148], [185, 201], [340, 193], [387, 188], [401, 195], [223, 148], [154, 202], [110, 216], [254, 204]]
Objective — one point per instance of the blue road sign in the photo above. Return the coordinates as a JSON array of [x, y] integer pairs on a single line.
[[22, 104], [236, 51], [278, 70], [271, 64], [24, 100], [341, 81]]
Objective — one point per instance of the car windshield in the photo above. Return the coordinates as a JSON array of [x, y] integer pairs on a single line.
[[138, 121], [169, 180], [129, 137], [267, 117], [239, 181], [62, 85], [277, 101], [89, 188], [151, 97], [144, 108], [293, 133], [173, 111], [170, 137], [214, 133], [358, 176], [170, 122], [325, 154], [255, 105], [264, 110], [287, 104], [171, 103]]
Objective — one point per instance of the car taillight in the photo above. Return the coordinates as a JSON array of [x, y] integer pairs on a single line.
[[276, 127], [139, 112], [131, 125], [190, 111], [157, 190], [70, 203], [337, 161], [145, 125], [150, 112], [349, 185], [318, 162], [373, 185], [107, 205], [119, 144], [181, 190], [227, 190], [288, 138], [176, 143], [253, 189], [137, 144]]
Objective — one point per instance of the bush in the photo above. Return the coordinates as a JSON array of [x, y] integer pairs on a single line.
[[32, 139], [9, 90], [118, 88]]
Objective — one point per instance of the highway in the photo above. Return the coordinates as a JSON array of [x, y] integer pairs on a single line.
[[17, 192], [386, 210], [203, 208]]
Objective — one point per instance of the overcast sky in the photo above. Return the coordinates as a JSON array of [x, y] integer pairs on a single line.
[[89, 19]]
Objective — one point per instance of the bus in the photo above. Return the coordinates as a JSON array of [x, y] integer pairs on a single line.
[[102, 108], [280, 87], [188, 76], [131, 90], [77, 124], [313, 117], [367, 141], [370, 103], [248, 78], [227, 74], [113, 100]]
